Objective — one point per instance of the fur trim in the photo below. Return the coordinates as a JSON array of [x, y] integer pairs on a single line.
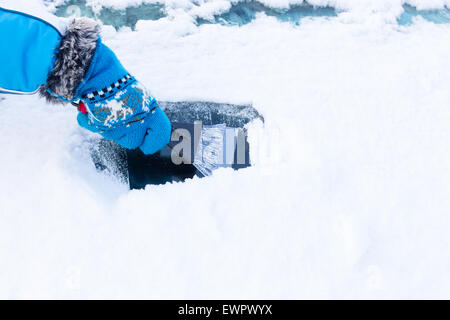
[[73, 57]]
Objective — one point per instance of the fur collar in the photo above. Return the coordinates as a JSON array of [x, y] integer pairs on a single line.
[[73, 57]]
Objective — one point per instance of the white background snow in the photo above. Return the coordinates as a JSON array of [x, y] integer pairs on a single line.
[[348, 197]]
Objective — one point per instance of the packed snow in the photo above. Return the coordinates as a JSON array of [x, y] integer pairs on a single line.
[[348, 195]]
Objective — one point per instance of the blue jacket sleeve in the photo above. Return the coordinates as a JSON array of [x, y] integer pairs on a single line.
[[26, 51]]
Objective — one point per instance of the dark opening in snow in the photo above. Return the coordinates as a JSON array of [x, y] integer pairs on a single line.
[[226, 121]]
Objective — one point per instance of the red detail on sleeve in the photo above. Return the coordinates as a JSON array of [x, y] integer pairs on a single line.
[[82, 107]]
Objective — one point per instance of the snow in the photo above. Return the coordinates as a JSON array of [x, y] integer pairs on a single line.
[[348, 196], [206, 9], [341, 4]]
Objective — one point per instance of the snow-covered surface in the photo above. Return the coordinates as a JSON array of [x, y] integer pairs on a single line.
[[389, 10], [365, 5], [348, 197]]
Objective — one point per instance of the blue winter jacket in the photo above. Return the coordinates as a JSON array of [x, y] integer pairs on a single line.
[[26, 51]]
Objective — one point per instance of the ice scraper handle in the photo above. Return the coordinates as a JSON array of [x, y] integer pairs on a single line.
[[111, 101]]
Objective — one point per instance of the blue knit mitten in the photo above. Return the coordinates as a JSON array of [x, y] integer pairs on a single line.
[[118, 106]]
